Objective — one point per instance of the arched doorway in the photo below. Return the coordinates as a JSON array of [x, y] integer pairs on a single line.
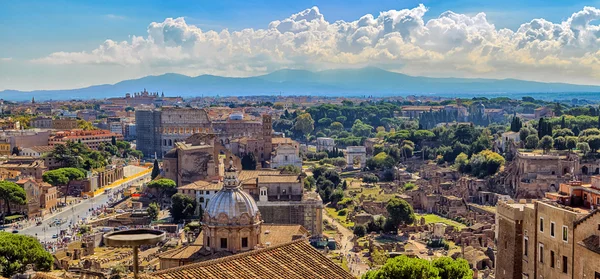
[[584, 170]]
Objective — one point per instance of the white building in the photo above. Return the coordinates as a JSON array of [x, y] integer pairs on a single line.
[[325, 144], [201, 191], [286, 155], [506, 137], [36, 151]]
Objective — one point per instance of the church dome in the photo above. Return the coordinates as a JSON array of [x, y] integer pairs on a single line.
[[233, 202], [231, 205]]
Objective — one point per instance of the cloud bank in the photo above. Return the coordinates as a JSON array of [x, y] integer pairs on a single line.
[[450, 45]]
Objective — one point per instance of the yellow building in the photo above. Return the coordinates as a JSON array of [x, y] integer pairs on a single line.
[[5, 149]]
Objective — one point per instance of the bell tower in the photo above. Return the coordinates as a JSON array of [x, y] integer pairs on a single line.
[[267, 135]]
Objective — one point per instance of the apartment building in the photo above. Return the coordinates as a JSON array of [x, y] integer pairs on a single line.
[[558, 237], [92, 138]]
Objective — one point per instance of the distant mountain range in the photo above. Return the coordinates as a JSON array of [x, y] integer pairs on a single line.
[[344, 82]]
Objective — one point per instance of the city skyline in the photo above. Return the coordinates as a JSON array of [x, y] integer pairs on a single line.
[[87, 44]]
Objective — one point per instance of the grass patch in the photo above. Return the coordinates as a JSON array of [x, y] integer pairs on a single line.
[[343, 263], [432, 218], [13, 217], [341, 219], [374, 193]]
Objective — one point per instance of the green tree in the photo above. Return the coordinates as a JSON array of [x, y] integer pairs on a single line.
[[182, 206], [532, 141], [155, 170], [305, 124], [336, 126], [249, 161], [136, 153], [85, 125], [63, 176], [336, 196], [403, 267], [10, 192], [546, 143], [560, 143], [452, 269], [153, 210], [163, 186], [381, 161], [516, 124], [523, 133], [361, 129], [407, 151], [462, 162], [400, 212], [15, 151], [360, 230], [113, 140], [571, 143], [18, 251], [593, 142], [583, 147], [117, 271]]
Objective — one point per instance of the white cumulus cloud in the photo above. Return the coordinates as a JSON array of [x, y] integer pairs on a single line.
[[450, 45]]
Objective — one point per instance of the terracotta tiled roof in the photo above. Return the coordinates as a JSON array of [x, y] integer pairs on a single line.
[[282, 141], [295, 260], [276, 234], [254, 174], [42, 148], [278, 178], [202, 185]]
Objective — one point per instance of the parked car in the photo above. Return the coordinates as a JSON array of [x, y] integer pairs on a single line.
[[15, 231], [54, 236]]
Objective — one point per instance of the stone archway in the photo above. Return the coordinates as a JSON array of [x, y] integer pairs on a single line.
[[584, 170]]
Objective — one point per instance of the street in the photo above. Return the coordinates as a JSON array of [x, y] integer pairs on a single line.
[[71, 213]]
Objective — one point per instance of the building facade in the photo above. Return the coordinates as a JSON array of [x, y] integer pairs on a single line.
[[325, 144], [64, 124], [92, 138], [547, 239]]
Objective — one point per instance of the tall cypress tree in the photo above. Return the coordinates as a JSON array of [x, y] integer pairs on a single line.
[[155, 170]]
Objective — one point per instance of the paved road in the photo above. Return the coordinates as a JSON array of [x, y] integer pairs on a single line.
[[44, 232]]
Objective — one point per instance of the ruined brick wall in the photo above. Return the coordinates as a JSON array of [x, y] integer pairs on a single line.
[[509, 242]]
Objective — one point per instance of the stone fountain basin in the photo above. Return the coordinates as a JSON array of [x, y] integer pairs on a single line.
[[135, 237]]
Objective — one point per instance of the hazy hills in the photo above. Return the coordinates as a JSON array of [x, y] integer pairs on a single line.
[[344, 82]]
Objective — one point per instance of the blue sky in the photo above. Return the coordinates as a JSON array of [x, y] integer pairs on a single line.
[[33, 30]]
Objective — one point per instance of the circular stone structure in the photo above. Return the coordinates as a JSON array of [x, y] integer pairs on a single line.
[[134, 238]]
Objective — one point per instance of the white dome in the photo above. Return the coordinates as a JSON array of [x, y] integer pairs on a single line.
[[232, 201]]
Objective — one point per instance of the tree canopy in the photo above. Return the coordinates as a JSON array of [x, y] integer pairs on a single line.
[[18, 251], [403, 267], [10, 192], [182, 206], [400, 212], [249, 161], [155, 170], [163, 186]]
